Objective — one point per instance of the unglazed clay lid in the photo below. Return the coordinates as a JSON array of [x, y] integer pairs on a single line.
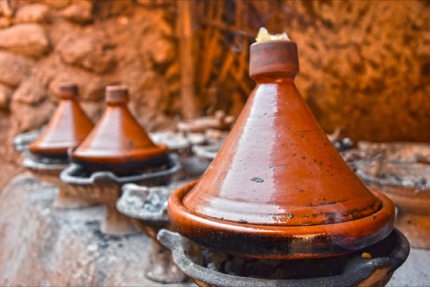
[[278, 188], [67, 128], [118, 142]]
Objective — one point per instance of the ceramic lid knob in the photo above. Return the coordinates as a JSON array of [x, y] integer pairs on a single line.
[[118, 142], [116, 95], [277, 187], [274, 58], [68, 90]]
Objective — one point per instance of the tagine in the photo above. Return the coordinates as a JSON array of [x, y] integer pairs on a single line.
[[47, 154], [279, 194], [118, 142], [117, 151]]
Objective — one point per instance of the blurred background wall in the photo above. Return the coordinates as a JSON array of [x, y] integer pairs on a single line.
[[365, 65]]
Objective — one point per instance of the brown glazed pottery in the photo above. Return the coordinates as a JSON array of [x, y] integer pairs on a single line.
[[67, 128], [118, 142], [278, 188], [48, 152]]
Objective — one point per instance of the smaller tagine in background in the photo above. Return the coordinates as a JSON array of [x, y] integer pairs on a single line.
[[117, 151], [67, 128], [118, 142], [402, 172], [47, 156]]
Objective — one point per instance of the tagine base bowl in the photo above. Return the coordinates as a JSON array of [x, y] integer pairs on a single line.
[[105, 187], [147, 210], [354, 270]]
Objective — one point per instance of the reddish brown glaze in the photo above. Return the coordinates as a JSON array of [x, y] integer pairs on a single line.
[[118, 142], [278, 175], [67, 128]]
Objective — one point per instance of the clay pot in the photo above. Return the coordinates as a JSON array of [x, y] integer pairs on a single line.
[[67, 128], [278, 188], [402, 172], [118, 142], [48, 150]]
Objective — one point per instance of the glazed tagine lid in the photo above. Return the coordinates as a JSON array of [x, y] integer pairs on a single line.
[[118, 142], [278, 188], [67, 128]]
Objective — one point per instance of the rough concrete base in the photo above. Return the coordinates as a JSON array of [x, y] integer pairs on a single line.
[[44, 246], [415, 271]]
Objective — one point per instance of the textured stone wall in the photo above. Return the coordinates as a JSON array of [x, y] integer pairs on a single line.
[[93, 43], [365, 65]]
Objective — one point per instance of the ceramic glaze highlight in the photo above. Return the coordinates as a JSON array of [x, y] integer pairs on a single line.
[[277, 173], [278, 187], [118, 142]]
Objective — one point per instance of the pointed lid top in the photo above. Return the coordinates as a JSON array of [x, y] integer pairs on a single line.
[[117, 95], [278, 188], [67, 128], [118, 142], [68, 90]]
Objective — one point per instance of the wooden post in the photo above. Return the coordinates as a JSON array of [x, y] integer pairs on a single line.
[[185, 32]]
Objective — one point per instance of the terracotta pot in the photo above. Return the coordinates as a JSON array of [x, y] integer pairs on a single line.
[[402, 172], [118, 142], [278, 188], [48, 150], [67, 128]]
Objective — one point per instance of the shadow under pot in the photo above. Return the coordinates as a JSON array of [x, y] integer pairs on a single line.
[[47, 155], [147, 209], [402, 172]]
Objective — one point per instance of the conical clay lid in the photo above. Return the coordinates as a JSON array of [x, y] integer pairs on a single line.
[[278, 188], [67, 128], [118, 142]]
